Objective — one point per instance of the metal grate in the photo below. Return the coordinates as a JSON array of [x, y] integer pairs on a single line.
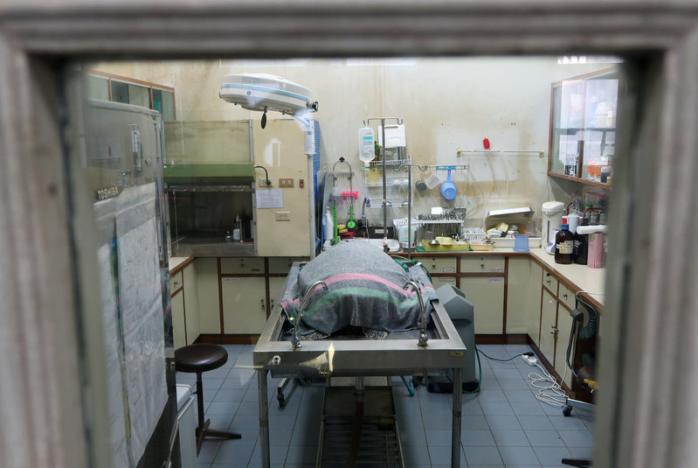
[[359, 429]]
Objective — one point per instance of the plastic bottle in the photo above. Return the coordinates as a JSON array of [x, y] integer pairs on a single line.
[[367, 139], [237, 229], [564, 244], [329, 224], [581, 245]]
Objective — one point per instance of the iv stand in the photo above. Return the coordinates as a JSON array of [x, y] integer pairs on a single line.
[[382, 120]]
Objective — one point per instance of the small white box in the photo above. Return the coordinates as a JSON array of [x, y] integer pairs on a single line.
[[394, 136]]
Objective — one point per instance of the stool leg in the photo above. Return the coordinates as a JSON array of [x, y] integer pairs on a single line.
[[200, 399], [202, 431], [203, 425]]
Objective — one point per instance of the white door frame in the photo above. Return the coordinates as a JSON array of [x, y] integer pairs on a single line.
[[646, 416]]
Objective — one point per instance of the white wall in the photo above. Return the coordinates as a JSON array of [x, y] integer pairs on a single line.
[[447, 104]]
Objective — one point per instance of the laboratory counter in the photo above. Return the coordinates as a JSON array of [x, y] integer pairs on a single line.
[[177, 264], [589, 282]]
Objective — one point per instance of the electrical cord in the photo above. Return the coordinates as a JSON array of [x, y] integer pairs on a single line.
[[547, 390], [528, 353], [477, 389]]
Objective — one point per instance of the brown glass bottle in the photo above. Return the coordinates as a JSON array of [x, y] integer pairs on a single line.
[[564, 245]]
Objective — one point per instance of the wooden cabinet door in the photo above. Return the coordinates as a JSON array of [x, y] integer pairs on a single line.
[[533, 317], [523, 297], [564, 326], [207, 292], [438, 281], [276, 288], [178, 324], [487, 296], [191, 303], [244, 305], [548, 326]]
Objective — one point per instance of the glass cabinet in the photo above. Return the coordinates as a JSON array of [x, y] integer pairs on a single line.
[[583, 128]]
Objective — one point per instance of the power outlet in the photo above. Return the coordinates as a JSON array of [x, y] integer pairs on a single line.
[[285, 183], [282, 216]]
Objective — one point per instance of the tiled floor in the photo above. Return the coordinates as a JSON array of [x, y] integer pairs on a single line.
[[502, 426]]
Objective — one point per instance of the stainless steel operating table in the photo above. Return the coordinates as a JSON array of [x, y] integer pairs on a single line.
[[276, 353]]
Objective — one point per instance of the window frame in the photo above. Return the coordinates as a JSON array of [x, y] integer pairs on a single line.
[[134, 81], [650, 295]]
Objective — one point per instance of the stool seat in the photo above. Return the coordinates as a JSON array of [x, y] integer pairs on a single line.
[[200, 358]]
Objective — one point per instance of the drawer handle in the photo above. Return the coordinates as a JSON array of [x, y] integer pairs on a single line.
[[564, 296]]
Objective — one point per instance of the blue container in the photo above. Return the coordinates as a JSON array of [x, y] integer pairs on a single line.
[[448, 188], [521, 243]]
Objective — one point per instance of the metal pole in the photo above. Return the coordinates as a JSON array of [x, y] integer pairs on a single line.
[[385, 193], [409, 211], [456, 423], [263, 417]]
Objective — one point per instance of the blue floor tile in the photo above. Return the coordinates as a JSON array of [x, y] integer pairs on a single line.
[[517, 456], [548, 438], [504, 423], [577, 438], [551, 455], [477, 438], [483, 456], [510, 438], [235, 453]]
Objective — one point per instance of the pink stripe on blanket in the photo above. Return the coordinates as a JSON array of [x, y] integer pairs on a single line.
[[356, 277], [370, 278]]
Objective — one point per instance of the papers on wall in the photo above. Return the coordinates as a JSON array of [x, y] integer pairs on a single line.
[[112, 347], [140, 304], [269, 198], [132, 308]]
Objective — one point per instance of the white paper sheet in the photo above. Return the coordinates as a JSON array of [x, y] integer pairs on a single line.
[[141, 311], [112, 345], [269, 198]]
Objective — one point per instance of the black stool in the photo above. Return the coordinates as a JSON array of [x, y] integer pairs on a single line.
[[199, 358]]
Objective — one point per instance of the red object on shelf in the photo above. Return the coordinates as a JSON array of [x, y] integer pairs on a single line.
[[486, 143]]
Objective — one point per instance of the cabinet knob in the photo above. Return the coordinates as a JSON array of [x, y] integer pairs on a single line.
[[564, 295], [262, 304], [482, 265]]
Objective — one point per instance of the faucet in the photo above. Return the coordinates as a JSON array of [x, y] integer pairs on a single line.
[[364, 220], [295, 339], [422, 321]]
